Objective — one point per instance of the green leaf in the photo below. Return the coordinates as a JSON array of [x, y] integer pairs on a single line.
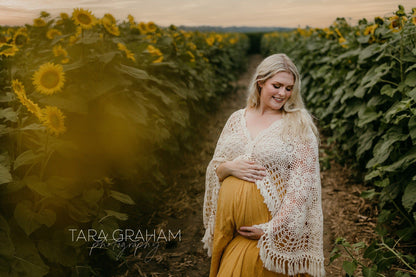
[[93, 195], [384, 146], [27, 261], [387, 90], [411, 79], [409, 196], [124, 198], [30, 220], [27, 157], [412, 128], [8, 114], [370, 271], [57, 251], [349, 267], [6, 244], [119, 216], [368, 52], [134, 72], [404, 162], [64, 187], [36, 185], [366, 115], [412, 94], [372, 174], [365, 142], [5, 176], [369, 194]]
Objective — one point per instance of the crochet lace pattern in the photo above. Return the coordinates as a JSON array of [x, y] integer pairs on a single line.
[[293, 239]]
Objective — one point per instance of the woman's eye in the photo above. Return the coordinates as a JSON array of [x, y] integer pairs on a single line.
[[288, 89], [275, 86]]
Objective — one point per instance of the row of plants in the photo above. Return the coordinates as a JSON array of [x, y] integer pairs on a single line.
[[360, 83], [93, 113]]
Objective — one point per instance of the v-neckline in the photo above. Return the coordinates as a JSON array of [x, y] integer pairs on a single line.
[[248, 134]]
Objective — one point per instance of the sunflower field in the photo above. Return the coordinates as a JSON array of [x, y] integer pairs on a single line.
[[93, 111], [360, 82]]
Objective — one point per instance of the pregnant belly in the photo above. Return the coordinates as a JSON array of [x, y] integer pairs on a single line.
[[243, 202]]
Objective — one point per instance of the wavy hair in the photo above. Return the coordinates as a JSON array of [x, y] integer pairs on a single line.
[[297, 119]]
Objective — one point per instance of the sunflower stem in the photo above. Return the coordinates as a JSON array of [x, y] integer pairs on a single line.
[[45, 158]]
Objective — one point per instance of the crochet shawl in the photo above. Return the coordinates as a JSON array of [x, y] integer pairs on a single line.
[[293, 239]]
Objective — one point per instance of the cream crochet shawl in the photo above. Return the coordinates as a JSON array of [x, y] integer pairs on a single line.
[[293, 239]]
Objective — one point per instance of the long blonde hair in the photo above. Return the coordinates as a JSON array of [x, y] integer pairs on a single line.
[[296, 118]]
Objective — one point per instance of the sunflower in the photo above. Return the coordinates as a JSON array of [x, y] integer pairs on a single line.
[[191, 55], [396, 23], [52, 33], [131, 20], [111, 28], [53, 119], [128, 53], [44, 14], [142, 27], [39, 22], [75, 37], [8, 49], [19, 90], [210, 40], [370, 29], [84, 18], [20, 37], [58, 51], [49, 78], [109, 18], [151, 27]]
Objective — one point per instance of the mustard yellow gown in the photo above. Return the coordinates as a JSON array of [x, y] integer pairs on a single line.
[[239, 204]]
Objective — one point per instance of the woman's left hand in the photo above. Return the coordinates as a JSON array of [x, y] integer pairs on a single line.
[[250, 232]]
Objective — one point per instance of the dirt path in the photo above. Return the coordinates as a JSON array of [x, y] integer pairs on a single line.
[[345, 213]]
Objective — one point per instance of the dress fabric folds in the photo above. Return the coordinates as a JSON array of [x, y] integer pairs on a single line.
[[239, 204]]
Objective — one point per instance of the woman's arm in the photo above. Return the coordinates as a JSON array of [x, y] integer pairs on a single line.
[[242, 169]]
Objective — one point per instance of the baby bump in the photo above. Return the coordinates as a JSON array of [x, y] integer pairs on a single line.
[[243, 201]]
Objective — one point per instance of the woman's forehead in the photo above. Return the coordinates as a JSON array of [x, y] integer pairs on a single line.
[[283, 77]]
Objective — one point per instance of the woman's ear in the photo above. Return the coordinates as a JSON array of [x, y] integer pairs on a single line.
[[259, 84]]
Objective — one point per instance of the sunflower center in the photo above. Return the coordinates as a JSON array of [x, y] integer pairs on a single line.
[[49, 79], [84, 19], [54, 121]]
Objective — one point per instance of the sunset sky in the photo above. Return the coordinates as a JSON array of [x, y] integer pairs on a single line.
[[270, 13]]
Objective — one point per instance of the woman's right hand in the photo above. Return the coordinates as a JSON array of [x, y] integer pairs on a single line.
[[246, 170]]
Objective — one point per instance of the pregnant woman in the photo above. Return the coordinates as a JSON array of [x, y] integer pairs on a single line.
[[262, 206]]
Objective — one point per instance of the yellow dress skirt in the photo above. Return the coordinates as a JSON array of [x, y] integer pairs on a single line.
[[239, 204]]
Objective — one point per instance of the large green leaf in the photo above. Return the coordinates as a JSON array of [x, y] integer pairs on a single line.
[[5, 176], [27, 157], [404, 161], [384, 147], [411, 79], [122, 197], [30, 220], [409, 196], [8, 114], [27, 261]]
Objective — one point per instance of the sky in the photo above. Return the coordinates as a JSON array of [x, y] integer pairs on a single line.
[[225, 13]]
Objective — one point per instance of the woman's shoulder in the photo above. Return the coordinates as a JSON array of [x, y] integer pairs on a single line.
[[236, 115]]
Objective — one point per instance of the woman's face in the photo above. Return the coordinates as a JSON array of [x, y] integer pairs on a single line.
[[276, 90]]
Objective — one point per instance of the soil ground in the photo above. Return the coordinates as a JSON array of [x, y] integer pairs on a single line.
[[346, 214]]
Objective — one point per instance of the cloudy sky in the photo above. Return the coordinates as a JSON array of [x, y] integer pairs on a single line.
[[282, 13]]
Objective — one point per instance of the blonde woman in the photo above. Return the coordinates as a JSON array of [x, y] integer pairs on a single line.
[[262, 206]]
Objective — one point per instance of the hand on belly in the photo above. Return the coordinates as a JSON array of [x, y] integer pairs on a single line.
[[250, 232]]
